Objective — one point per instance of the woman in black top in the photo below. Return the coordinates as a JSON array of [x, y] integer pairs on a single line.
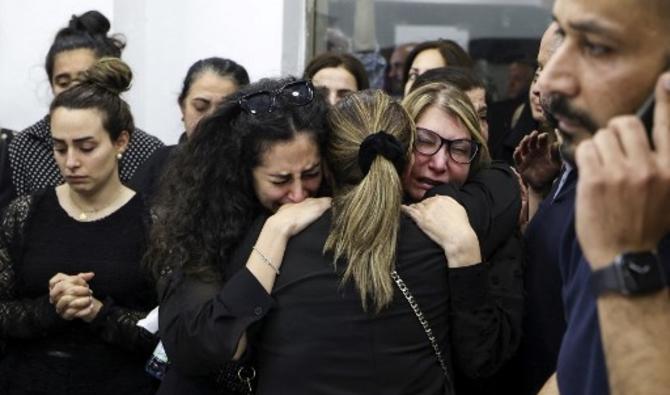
[[260, 152], [206, 84], [71, 288], [451, 149], [325, 335]]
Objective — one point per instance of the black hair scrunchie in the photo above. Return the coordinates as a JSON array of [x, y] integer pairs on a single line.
[[384, 144]]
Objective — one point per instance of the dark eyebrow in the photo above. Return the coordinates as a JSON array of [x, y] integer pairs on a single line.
[[314, 167], [79, 140], [589, 25]]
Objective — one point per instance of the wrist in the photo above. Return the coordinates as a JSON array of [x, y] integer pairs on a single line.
[[464, 251], [276, 226]]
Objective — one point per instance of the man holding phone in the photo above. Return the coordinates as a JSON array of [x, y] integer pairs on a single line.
[[614, 262]]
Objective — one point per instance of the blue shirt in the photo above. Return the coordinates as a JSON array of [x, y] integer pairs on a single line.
[[581, 361], [544, 321]]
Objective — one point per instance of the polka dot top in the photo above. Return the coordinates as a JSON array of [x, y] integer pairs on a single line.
[[33, 166]]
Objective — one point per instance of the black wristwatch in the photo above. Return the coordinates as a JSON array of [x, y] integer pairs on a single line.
[[630, 274]]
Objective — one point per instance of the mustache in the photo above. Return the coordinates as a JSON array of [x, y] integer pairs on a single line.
[[555, 105]]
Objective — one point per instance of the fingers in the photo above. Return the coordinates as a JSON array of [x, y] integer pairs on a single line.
[[66, 287], [661, 131], [587, 159], [69, 302], [88, 276], [607, 143], [632, 137], [78, 309], [410, 211], [56, 279]]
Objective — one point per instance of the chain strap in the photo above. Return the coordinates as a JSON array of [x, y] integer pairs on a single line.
[[422, 320]]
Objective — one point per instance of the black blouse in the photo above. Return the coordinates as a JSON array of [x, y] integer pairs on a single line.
[[38, 240]]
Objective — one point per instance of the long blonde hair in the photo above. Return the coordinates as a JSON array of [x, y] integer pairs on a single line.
[[454, 102], [367, 206]]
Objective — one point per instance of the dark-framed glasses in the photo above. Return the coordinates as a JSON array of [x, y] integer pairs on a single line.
[[296, 93], [461, 151]]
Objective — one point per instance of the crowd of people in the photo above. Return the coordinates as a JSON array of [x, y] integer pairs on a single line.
[[310, 235]]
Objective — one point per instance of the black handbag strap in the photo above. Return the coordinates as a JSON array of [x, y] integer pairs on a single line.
[[424, 324]]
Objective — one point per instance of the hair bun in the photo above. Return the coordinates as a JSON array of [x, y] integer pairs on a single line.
[[92, 22], [111, 74]]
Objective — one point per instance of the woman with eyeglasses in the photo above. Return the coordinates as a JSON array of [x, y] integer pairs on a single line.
[[450, 151], [259, 153], [205, 324]]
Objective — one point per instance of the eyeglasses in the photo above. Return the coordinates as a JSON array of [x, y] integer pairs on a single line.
[[297, 93], [461, 151]]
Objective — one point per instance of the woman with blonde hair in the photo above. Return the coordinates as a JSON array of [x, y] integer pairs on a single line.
[[363, 303], [451, 158]]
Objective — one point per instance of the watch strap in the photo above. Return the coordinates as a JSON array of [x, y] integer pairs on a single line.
[[608, 279]]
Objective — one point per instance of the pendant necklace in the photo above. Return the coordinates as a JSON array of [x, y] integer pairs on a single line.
[[85, 215]]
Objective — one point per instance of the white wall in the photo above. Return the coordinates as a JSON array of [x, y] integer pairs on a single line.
[[164, 38], [27, 28]]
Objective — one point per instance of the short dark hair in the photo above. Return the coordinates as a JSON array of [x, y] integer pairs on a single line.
[[453, 55], [99, 88], [349, 62], [224, 68], [459, 77], [88, 30]]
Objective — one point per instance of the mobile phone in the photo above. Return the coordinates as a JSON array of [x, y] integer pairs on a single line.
[[646, 115], [646, 112]]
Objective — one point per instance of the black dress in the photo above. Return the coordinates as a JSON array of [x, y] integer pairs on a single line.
[[46, 354]]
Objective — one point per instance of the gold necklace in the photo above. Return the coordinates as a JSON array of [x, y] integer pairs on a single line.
[[86, 215]]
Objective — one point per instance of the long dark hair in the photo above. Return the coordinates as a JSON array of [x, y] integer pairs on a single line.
[[207, 200]]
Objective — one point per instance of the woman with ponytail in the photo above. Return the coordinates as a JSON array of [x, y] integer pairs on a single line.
[[71, 287], [341, 320]]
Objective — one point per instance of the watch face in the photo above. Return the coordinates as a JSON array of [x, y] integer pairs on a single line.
[[642, 273]]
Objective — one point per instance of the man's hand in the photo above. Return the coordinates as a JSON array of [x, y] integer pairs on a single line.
[[537, 160], [623, 192]]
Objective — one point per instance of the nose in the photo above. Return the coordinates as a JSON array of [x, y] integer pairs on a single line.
[[438, 162], [71, 160], [559, 75], [332, 97], [297, 193]]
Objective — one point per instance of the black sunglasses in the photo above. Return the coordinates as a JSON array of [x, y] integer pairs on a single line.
[[461, 151], [297, 93]]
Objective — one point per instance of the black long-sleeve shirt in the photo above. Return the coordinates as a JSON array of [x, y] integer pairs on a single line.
[[37, 240], [202, 323]]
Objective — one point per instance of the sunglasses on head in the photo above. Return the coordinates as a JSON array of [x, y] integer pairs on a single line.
[[296, 93]]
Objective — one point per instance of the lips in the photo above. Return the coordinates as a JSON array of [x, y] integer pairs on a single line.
[[427, 183], [569, 126], [75, 179]]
